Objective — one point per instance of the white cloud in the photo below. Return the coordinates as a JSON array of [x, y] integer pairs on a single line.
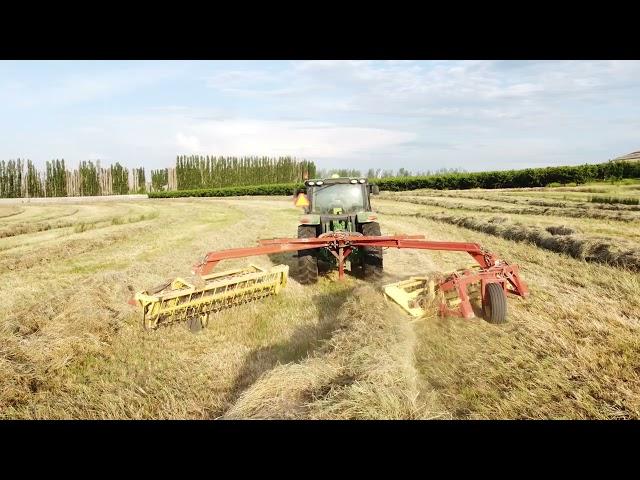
[[74, 88], [155, 139], [303, 139], [189, 143], [362, 113], [406, 89]]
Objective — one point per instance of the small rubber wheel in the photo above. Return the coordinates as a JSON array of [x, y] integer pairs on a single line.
[[495, 304], [195, 324]]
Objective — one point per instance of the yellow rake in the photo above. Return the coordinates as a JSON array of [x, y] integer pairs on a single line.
[[180, 300]]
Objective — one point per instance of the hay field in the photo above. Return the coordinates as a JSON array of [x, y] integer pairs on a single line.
[[71, 347]]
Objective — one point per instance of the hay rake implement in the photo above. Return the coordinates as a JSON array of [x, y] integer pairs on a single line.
[[180, 300], [491, 279]]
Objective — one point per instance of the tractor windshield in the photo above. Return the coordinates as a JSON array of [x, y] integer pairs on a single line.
[[348, 197]]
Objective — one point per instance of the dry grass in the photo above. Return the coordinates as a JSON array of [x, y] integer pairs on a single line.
[[365, 370], [560, 230], [10, 211], [497, 207], [499, 196], [570, 350], [25, 223], [623, 231], [591, 249], [70, 346]]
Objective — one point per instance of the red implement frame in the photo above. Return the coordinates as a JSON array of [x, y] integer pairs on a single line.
[[508, 276], [492, 270]]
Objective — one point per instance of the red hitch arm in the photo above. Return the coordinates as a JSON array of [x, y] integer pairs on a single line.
[[211, 259], [341, 246]]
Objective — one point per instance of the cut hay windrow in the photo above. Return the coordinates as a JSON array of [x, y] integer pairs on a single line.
[[10, 212], [531, 210], [591, 249], [616, 200], [72, 348], [65, 249], [25, 228], [521, 200], [560, 230], [56, 214], [365, 370]]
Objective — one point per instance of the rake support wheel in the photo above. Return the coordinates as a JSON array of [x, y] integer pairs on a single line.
[[194, 324], [495, 304]]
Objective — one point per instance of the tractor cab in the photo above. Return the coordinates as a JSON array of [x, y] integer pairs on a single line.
[[338, 203], [332, 205]]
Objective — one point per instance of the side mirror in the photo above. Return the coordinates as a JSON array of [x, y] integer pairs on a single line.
[[375, 190]]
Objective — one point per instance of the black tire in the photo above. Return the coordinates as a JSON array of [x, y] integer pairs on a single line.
[[495, 304], [307, 259], [372, 256], [194, 324]]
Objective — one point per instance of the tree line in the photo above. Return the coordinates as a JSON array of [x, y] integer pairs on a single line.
[[214, 172], [159, 179], [21, 179], [525, 178], [530, 177], [385, 173]]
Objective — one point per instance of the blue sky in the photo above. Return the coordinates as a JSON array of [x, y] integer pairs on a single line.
[[419, 115]]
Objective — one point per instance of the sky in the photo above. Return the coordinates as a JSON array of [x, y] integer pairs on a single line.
[[420, 115]]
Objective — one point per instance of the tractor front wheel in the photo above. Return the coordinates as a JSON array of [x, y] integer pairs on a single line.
[[495, 304], [372, 256], [307, 259]]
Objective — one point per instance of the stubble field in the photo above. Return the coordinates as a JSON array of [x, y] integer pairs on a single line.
[[71, 347]]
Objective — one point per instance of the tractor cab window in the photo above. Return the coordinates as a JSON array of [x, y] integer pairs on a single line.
[[347, 196]]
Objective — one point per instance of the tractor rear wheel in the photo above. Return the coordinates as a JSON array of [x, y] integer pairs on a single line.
[[372, 256], [307, 259], [495, 304]]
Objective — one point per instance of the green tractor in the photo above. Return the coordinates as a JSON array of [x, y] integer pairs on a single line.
[[338, 204]]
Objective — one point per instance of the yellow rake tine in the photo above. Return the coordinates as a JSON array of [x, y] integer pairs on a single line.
[[220, 290]]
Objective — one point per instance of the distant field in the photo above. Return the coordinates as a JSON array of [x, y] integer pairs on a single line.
[[71, 347], [97, 198]]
